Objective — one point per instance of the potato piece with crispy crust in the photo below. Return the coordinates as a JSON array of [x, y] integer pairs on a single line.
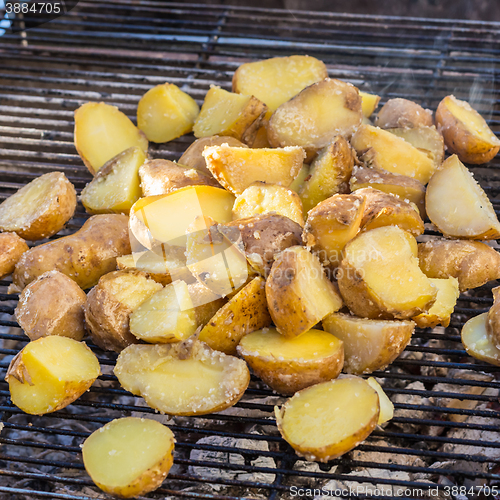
[[493, 320], [457, 204], [386, 406], [187, 378], [12, 248], [402, 113], [289, 365], [326, 420], [369, 344], [465, 131], [50, 373], [53, 304], [369, 102], [84, 256], [379, 277], [477, 342], [299, 294], [129, 456], [40, 209], [473, 263]]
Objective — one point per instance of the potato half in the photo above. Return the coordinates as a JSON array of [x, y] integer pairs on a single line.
[[11, 249], [326, 420], [369, 102], [187, 378], [288, 365], [50, 373], [493, 320], [369, 344], [477, 341], [40, 209], [129, 456], [386, 406], [402, 113]]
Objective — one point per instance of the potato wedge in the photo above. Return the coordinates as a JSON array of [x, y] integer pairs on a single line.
[[402, 113], [110, 304], [40, 209], [288, 365], [369, 344], [129, 456], [369, 103], [50, 373], [379, 277], [457, 204], [187, 378], [473, 263], [298, 182], [465, 131], [493, 320], [102, 131], [205, 302], [299, 295], [326, 420], [84, 256], [165, 112], [12, 248], [246, 312], [386, 406], [53, 304], [314, 117], [478, 343], [261, 198], [116, 187], [329, 173], [238, 168]]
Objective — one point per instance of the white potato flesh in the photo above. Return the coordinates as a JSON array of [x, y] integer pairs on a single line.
[[386, 406], [477, 342]]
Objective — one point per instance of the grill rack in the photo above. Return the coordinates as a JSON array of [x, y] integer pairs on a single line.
[[114, 53]]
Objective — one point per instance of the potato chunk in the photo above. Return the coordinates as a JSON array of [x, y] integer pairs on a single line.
[[53, 304], [386, 406], [299, 295], [369, 344], [465, 131], [12, 248], [238, 168], [402, 113], [326, 420], [457, 204], [50, 373], [40, 209], [129, 456], [288, 365], [478, 343], [186, 378], [379, 277], [116, 187], [165, 112], [369, 102], [102, 131]]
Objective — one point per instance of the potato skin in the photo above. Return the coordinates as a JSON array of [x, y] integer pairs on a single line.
[[83, 256], [402, 113], [12, 248], [493, 319]]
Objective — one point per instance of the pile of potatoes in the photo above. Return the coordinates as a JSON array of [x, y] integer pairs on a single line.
[[283, 241]]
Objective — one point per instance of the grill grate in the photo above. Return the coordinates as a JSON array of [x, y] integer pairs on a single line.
[[445, 430]]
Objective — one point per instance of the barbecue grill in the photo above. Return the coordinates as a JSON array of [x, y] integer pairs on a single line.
[[444, 434]]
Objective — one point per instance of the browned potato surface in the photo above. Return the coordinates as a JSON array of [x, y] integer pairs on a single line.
[[11, 249], [402, 113], [493, 320]]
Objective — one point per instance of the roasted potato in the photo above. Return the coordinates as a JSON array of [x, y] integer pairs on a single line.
[[493, 320], [11, 249], [84, 256], [165, 112], [465, 131], [129, 456], [386, 406], [457, 204], [40, 209], [369, 344], [102, 131], [116, 187], [50, 373], [299, 295], [288, 365], [53, 304], [326, 420], [187, 378], [477, 341], [369, 103], [402, 113]]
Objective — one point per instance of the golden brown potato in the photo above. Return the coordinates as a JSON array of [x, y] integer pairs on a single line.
[[473, 263], [238, 168], [52, 305], [369, 102], [326, 420], [109, 306], [116, 187], [84, 256], [11, 249], [369, 344], [493, 319], [50, 373], [102, 131], [187, 378], [261, 140], [457, 204], [477, 342], [129, 456], [165, 112], [386, 406], [40, 209], [329, 173], [299, 295], [379, 277], [288, 365], [402, 113], [465, 131]]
